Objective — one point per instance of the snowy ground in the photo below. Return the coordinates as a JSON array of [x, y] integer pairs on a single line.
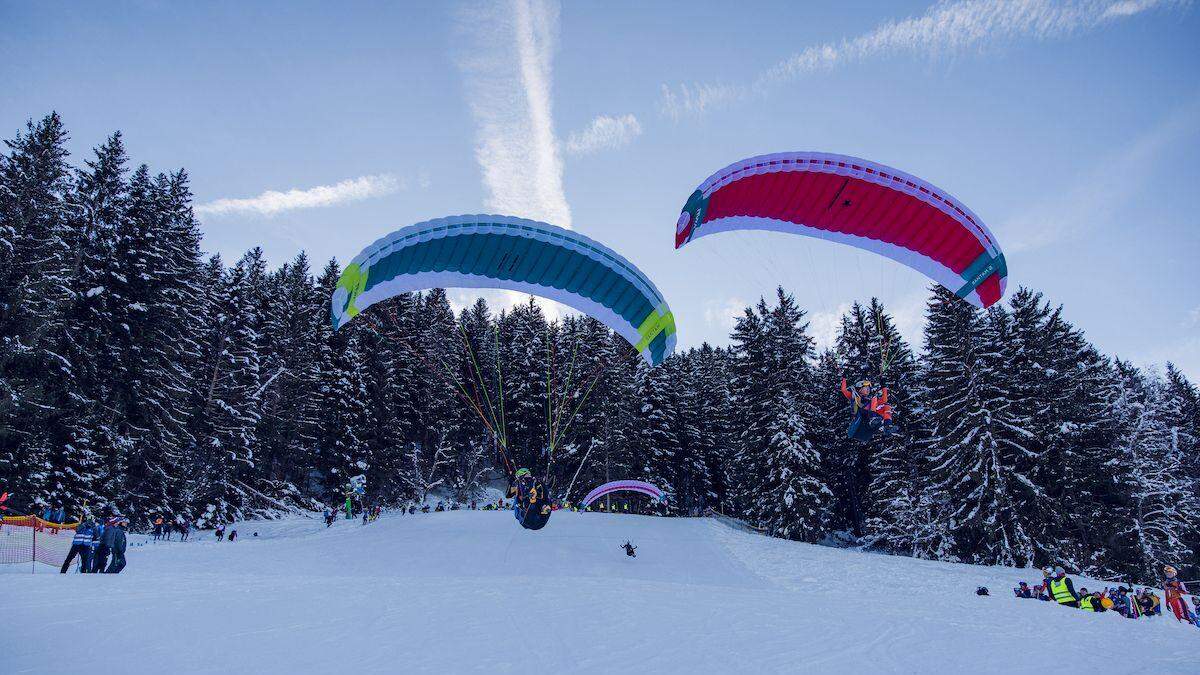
[[471, 591]]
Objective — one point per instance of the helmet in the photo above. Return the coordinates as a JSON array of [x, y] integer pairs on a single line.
[[1171, 571], [521, 473], [862, 383]]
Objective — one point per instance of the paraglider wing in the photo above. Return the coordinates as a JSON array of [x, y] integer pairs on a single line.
[[481, 251], [856, 202], [623, 486]]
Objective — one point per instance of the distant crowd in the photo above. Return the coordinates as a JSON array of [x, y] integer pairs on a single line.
[[1129, 602], [371, 513]]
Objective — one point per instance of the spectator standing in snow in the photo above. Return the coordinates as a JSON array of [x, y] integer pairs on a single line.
[[118, 547], [158, 527], [220, 532], [105, 546], [1062, 590], [97, 535], [1173, 591], [232, 536], [81, 545], [185, 528]]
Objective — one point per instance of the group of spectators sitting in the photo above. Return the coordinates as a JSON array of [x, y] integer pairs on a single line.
[[94, 543], [1129, 602]]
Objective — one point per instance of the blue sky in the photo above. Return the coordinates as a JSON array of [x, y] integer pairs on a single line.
[[1072, 128]]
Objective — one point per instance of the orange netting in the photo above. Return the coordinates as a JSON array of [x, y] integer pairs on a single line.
[[26, 539]]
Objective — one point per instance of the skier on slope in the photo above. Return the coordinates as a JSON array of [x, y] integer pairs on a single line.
[[870, 414], [629, 549], [531, 505]]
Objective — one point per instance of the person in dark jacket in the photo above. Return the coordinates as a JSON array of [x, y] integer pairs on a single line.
[[81, 545], [1022, 591], [629, 550], [118, 548], [104, 545]]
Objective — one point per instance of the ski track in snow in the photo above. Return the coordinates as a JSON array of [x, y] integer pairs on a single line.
[[467, 591]]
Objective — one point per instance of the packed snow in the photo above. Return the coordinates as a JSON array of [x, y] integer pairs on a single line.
[[471, 591]]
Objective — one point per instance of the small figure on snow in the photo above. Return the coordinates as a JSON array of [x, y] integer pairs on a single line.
[[870, 414], [629, 549], [232, 535], [1023, 591], [220, 532]]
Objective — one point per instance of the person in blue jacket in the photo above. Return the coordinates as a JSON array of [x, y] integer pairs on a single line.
[[531, 504], [81, 545]]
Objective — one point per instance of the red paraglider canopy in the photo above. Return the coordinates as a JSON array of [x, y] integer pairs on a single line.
[[856, 202]]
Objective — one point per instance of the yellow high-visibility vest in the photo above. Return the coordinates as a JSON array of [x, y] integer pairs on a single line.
[[1059, 591]]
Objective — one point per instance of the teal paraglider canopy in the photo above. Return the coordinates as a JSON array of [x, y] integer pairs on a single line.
[[483, 251]]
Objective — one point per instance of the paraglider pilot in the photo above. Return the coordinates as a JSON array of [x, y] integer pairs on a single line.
[[871, 413], [531, 505]]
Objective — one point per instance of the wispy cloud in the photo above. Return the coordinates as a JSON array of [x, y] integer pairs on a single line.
[[824, 326], [507, 66], [604, 133], [724, 313], [273, 202], [1098, 194], [946, 28]]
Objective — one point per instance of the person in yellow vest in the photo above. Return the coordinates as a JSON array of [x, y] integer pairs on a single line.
[[1062, 590], [1086, 601]]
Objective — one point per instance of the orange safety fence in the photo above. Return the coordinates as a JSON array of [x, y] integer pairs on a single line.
[[29, 539]]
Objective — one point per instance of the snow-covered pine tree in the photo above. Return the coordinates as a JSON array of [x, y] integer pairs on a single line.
[[524, 341], [287, 430], [659, 439], [794, 498], [713, 418], [42, 454], [227, 420], [752, 405], [1162, 513], [976, 443], [693, 482], [338, 449]]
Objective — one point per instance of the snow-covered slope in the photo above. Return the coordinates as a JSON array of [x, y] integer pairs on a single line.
[[471, 591]]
